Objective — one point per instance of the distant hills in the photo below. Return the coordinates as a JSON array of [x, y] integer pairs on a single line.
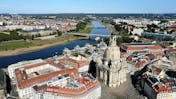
[[113, 15]]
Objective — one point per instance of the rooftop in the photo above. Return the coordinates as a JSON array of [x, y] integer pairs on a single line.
[[40, 72], [139, 46], [75, 88]]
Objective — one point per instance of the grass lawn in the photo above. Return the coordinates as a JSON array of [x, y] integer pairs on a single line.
[[24, 44], [14, 45]]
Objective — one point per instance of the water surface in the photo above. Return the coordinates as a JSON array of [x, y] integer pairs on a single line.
[[99, 28], [43, 54]]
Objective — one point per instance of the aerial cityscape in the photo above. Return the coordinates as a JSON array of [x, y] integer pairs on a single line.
[[87, 49]]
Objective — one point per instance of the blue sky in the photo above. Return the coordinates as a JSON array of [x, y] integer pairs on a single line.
[[87, 6]]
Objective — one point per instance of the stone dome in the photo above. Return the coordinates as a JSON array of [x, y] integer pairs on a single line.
[[112, 52]]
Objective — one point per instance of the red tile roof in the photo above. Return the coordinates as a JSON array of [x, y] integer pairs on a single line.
[[158, 55], [79, 64], [35, 65], [24, 82], [165, 88], [134, 47], [74, 92], [137, 62], [143, 47], [169, 48], [156, 69]]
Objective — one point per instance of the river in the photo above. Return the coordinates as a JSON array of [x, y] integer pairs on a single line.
[[43, 54], [49, 52], [99, 28]]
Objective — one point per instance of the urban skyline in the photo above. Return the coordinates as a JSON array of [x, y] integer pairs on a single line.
[[89, 6], [87, 49]]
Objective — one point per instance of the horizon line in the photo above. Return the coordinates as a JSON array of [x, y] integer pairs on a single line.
[[92, 13]]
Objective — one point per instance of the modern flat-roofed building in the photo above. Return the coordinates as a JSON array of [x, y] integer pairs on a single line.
[[157, 35]]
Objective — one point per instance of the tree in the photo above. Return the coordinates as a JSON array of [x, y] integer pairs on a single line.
[[120, 40], [81, 25], [118, 27], [128, 39], [113, 23], [59, 33], [106, 40], [151, 28], [4, 24], [13, 35], [164, 21], [87, 20], [39, 35]]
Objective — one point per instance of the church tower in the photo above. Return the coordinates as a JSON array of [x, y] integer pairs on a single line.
[[111, 70], [112, 53]]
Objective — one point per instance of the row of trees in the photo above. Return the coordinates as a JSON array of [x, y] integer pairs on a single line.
[[57, 32], [13, 35], [123, 39], [118, 27], [108, 21], [122, 31], [81, 25], [151, 28]]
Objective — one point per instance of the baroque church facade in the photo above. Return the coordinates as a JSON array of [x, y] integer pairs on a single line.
[[111, 68]]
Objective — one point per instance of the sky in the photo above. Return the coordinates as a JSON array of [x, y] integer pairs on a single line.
[[87, 6]]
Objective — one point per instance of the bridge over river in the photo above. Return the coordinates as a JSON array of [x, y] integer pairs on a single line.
[[87, 35], [99, 30]]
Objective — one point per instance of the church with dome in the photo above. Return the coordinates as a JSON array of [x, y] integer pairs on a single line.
[[111, 68]]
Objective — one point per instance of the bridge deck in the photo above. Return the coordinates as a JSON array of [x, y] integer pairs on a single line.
[[86, 35]]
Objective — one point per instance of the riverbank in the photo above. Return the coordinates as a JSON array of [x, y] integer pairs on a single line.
[[111, 28], [37, 45]]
